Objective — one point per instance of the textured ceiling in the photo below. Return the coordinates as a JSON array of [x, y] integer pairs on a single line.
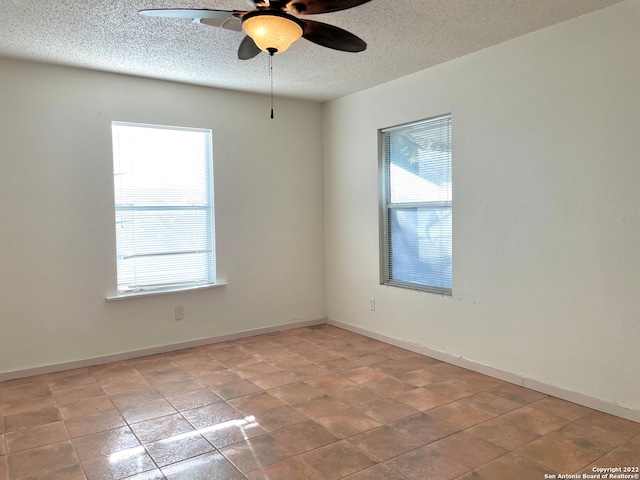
[[403, 36]]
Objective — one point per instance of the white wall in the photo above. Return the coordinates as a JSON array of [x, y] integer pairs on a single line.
[[57, 241], [546, 267]]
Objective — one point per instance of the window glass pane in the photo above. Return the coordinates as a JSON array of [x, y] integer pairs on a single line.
[[162, 271], [144, 232], [158, 166], [421, 245], [420, 163]]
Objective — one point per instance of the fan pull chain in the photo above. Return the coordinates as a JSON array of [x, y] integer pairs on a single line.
[[271, 52]]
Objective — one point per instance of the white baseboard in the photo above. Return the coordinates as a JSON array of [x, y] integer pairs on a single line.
[[571, 396], [564, 394], [59, 367]]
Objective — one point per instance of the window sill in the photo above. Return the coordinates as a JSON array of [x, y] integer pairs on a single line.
[[150, 293], [444, 292]]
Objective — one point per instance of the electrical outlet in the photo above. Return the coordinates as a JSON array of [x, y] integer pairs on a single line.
[[179, 314], [372, 304]]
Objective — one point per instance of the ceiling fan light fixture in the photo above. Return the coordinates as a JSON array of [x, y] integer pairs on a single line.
[[272, 30]]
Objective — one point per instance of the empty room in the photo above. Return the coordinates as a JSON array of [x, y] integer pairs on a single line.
[[384, 240]]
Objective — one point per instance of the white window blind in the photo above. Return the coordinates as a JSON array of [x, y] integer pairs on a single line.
[[416, 213], [163, 183]]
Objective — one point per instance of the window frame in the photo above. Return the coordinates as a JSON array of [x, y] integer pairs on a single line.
[[386, 206], [208, 229]]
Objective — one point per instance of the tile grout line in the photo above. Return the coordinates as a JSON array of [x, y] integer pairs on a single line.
[[66, 429]]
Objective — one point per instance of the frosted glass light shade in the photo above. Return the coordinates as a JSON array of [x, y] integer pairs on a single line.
[[271, 30]]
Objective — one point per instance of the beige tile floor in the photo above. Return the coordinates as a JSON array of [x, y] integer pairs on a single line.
[[316, 403]]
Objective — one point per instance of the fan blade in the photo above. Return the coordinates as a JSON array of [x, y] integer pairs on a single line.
[[189, 13], [312, 7], [248, 49], [332, 37], [232, 23]]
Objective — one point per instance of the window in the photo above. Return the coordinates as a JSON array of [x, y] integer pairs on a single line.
[[163, 183], [416, 206]]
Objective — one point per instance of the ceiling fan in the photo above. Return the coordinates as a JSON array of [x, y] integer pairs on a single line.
[[272, 25]]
